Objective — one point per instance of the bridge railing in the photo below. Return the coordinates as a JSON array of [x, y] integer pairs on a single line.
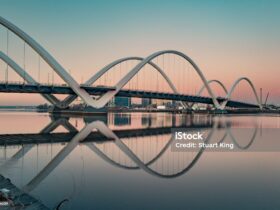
[[38, 84]]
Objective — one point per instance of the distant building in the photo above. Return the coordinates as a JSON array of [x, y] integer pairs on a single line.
[[146, 120], [122, 102], [146, 102], [121, 120], [161, 107]]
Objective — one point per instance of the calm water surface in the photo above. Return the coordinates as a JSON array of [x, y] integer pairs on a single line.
[[124, 161]]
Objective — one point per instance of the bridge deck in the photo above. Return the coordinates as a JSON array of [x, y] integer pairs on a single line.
[[56, 89]]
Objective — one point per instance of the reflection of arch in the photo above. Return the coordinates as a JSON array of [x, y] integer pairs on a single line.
[[55, 123], [237, 144], [103, 129], [106, 158], [141, 165], [227, 133], [235, 85], [18, 155], [79, 137], [47, 129]]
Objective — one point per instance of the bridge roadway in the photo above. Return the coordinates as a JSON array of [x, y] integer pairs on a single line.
[[99, 90], [43, 138]]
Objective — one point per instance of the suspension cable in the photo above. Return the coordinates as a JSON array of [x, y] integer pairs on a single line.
[[24, 65], [39, 68], [7, 52]]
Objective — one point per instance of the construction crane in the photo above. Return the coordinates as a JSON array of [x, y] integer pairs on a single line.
[[266, 99]]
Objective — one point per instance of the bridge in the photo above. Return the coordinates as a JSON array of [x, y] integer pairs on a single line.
[[99, 96], [43, 138], [56, 89]]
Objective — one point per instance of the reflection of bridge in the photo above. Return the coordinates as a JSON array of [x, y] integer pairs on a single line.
[[118, 147], [105, 94], [105, 136], [43, 137]]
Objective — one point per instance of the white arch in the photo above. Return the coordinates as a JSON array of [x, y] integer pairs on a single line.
[[108, 67], [50, 60], [60, 70], [223, 105], [229, 93], [23, 74], [110, 94], [116, 62], [212, 81], [103, 100], [209, 82]]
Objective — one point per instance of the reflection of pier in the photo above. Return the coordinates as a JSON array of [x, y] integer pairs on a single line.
[[119, 148]]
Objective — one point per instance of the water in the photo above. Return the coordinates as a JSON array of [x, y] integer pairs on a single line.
[[126, 169]]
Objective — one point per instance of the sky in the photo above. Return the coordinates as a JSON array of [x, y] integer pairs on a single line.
[[227, 39]]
